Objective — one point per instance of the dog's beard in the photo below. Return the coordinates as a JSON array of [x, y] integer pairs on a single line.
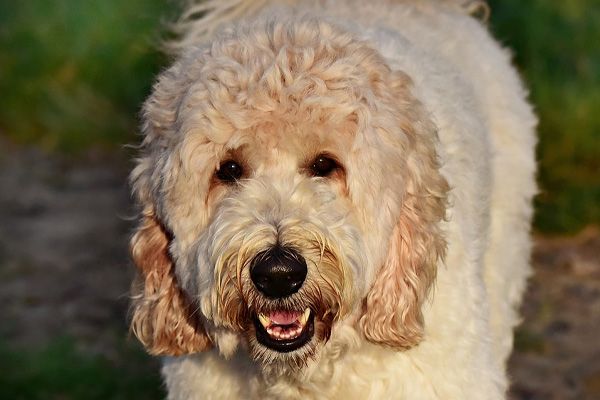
[[286, 331], [289, 333], [283, 333]]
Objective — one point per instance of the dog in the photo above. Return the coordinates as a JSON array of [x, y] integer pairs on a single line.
[[335, 203]]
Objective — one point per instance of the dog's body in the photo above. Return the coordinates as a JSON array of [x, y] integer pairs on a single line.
[[414, 249]]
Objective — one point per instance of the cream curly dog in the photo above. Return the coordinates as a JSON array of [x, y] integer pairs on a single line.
[[336, 203]]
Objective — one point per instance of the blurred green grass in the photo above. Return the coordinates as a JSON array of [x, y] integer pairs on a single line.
[[74, 73], [557, 47], [60, 371]]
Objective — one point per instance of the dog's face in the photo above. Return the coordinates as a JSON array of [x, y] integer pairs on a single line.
[[289, 181]]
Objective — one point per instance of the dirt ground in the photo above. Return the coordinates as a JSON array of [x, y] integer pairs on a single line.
[[64, 271]]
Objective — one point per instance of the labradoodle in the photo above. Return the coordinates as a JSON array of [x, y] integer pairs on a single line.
[[335, 203]]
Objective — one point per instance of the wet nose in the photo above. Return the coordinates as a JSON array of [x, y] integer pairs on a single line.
[[278, 272]]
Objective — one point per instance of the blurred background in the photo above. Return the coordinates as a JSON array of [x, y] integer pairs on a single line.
[[72, 77]]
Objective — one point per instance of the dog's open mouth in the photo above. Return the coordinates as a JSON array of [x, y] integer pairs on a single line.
[[284, 331]]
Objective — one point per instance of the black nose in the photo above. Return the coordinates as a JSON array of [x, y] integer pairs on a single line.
[[278, 272]]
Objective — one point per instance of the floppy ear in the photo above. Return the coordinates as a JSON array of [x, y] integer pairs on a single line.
[[163, 319], [392, 313], [392, 309]]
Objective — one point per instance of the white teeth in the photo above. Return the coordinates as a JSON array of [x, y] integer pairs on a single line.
[[304, 317], [264, 320], [287, 331]]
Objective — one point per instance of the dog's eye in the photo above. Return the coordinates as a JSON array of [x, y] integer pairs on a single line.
[[323, 166], [229, 171]]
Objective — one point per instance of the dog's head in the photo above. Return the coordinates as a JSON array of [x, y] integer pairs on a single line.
[[288, 180]]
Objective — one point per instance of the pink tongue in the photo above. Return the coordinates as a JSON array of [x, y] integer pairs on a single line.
[[281, 318]]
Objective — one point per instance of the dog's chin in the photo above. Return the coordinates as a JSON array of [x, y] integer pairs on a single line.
[[284, 340]]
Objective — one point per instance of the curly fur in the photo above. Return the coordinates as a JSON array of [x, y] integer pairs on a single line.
[[416, 245]]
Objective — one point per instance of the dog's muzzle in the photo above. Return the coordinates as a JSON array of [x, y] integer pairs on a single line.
[[279, 273]]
